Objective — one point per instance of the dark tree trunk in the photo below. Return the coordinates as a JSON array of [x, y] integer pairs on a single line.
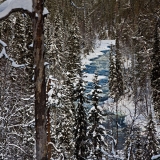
[[48, 125], [40, 84], [155, 74]]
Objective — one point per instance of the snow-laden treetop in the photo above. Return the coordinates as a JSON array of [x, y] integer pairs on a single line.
[[9, 6]]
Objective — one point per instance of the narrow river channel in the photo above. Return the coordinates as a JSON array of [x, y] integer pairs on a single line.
[[99, 65]]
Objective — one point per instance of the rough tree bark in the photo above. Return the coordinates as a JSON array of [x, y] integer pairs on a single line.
[[48, 125], [40, 84]]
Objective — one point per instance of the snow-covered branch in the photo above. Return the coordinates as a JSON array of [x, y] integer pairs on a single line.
[[9, 6], [18, 148], [3, 43], [73, 4], [50, 143], [4, 54], [155, 157]]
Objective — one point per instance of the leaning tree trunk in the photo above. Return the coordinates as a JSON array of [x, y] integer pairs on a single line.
[[40, 85]]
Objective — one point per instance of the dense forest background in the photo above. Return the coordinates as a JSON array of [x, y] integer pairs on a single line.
[[71, 29]]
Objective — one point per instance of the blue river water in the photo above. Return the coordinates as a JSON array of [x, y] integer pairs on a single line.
[[99, 65]]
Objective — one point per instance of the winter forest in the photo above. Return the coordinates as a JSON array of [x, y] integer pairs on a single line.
[[79, 79]]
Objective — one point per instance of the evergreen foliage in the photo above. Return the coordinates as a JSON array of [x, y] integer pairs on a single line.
[[80, 120], [112, 75], [73, 50], [96, 131], [155, 75], [151, 143]]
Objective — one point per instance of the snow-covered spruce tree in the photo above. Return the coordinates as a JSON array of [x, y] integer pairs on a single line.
[[115, 77], [18, 41], [54, 39], [119, 88], [53, 74], [62, 120], [116, 80], [138, 146], [72, 68], [73, 50], [134, 143], [55, 116], [62, 129], [86, 29], [112, 74], [80, 120], [65, 127], [60, 102], [151, 141], [155, 74], [97, 146], [62, 113]]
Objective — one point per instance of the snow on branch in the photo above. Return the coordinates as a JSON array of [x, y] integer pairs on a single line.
[[3, 43], [9, 6], [17, 147], [50, 143], [4, 54], [73, 4], [155, 157]]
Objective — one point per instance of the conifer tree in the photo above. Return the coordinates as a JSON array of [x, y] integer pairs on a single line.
[[80, 120], [119, 88], [112, 74], [155, 74], [54, 38], [66, 125], [138, 146], [96, 131], [128, 145], [18, 42], [73, 50], [151, 142]]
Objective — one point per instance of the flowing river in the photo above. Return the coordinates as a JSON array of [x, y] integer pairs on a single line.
[[100, 65]]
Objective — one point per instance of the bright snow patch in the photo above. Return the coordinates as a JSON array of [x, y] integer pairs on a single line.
[[3, 53], [155, 157], [15, 65], [3, 43], [89, 77]]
